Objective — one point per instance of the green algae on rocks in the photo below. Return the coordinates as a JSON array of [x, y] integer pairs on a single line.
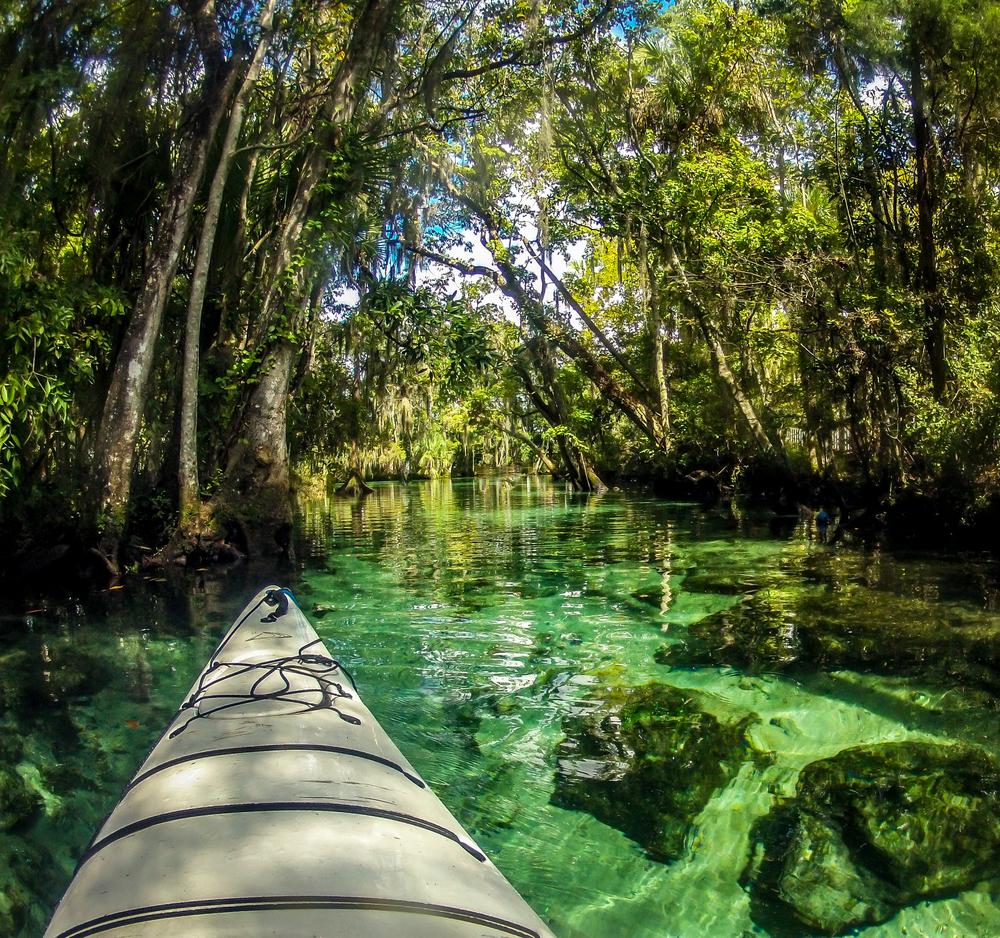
[[870, 831], [646, 761], [18, 801], [858, 629]]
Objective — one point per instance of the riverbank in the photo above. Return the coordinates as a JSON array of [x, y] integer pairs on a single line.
[[949, 515]]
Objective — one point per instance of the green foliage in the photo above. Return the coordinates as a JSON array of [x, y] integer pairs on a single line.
[[442, 341], [773, 223], [52, 337], [963, 434], [387, 377]]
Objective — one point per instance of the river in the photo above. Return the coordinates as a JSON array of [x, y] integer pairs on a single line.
[[491, 624]]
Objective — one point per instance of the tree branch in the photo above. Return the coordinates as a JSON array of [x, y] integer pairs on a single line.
[[520, 56], [591, 325]]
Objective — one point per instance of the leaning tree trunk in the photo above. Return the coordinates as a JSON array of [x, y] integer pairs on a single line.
[[251, 512], [554, 408], [187, 475], [355, 484], [556, 411], [252, 505], [256, 478], [126, 400], [637, 411], [583, 475], [578, 308], [721, 361], [543, 457]]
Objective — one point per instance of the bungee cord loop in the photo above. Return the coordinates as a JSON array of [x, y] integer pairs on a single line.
[[305, 680]]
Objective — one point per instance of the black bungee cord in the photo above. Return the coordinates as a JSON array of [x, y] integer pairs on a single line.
[[303, 663]]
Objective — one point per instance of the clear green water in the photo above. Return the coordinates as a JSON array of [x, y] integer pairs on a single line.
[[475, 616]]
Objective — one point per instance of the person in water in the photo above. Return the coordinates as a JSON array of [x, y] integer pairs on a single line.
[[822, 524]]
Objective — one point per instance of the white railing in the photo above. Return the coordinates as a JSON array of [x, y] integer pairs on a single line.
[[840, 439]]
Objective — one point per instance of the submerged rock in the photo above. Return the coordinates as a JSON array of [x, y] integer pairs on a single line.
[[857, 629], [18, 800], [873, 830], [646, 762]]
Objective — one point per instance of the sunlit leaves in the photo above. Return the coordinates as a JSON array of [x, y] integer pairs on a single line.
[[51, 340], [394, 367]]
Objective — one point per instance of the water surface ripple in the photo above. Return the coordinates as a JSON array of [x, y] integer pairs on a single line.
[[480, 618], [477, 615]]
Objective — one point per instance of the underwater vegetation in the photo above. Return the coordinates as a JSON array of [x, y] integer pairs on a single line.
[[646, 760], [856, 629], [870, 831], [77, 716]]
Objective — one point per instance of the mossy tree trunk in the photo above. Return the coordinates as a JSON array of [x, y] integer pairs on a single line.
[[187, 475], [126, 399], [355, 484]]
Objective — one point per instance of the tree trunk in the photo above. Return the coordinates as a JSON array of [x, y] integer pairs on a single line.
[[651, 301], [355, 484], [728, 379], [927, 273], [123, 409], [254, 497], [540, 453], [659, 366], [881, 214], [555, 410], [367, 40], [595, 330], [583, 475], [257, 472], [719, 358], [634, 409], [187, 475]]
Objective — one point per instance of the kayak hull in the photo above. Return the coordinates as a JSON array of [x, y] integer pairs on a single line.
[[275, 804]]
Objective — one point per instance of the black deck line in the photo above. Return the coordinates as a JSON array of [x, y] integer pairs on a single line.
[[290, 903], [274, 747], [266, 806]]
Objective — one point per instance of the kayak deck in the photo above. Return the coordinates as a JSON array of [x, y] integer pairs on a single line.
[[275, 804]]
